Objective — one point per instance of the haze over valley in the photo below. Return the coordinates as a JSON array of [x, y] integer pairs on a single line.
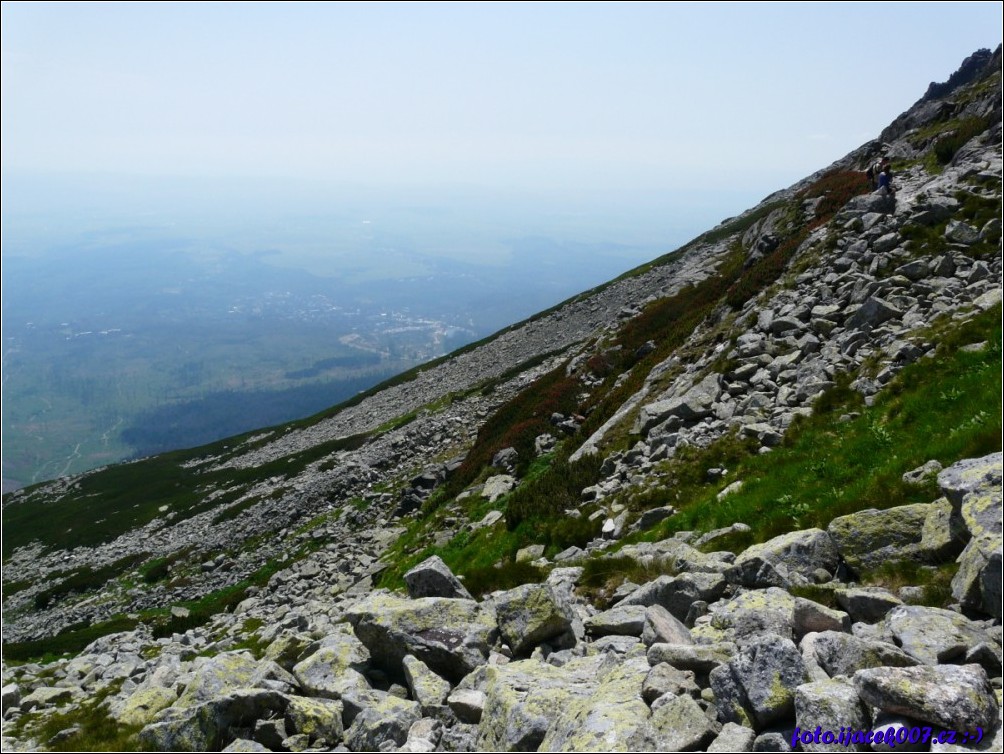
[[143, 315]]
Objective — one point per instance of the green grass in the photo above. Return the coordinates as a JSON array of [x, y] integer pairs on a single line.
[[946, 408], [70, 641], [74, 638], [86, 579], [93, 727], [105, 504]]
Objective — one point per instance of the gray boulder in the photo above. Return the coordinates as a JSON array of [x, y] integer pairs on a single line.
[[843, 654], [386, 718], [870, 538], [523, 697], [664, 679], [333, 666], [662, 628], [758, 685], [214, 677], [811, 617], [832, 706], [213, 724], [872, 313], [932, 635], [609, 716], [694, 404], [700, 658], [451, 636], [867, 604], [752, 613], [318, 719], [677, 593], [530, 614], [955, 697], [628, 620], [681, 725], [774, 562], [974, 489], [733, 737], [970, 475], [433, 578], [961, 232], [427, 688]]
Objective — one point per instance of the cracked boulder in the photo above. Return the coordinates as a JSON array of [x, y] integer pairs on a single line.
[[451, 636]]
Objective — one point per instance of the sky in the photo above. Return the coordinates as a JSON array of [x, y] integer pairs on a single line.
[[550, 96]]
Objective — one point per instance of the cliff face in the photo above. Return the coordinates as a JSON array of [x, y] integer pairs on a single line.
[[663, 497]]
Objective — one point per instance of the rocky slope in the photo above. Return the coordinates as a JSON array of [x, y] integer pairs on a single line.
[[238, 583]]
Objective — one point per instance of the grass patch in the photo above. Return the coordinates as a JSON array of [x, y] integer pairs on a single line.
[[159, 569], [936, 581], [86, 579], [70, 641], [10, 588], [946, 408], [90, 726], [601, 576]]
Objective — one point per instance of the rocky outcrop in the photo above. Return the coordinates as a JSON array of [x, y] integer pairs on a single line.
[[715, 647]]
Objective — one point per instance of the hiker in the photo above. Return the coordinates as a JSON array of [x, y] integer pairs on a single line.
[[885, 179]]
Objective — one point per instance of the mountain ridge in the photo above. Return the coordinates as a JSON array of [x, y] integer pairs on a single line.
[[593, 407]]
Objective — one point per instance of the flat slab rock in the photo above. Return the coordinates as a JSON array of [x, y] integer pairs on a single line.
[[957, 697]]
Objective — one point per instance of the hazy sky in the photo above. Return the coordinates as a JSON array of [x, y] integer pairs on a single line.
[[586, 95]]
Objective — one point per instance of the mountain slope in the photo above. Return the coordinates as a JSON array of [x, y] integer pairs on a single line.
[[813, 349]]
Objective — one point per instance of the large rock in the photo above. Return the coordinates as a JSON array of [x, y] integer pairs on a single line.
[[974, 488], [665, 679], [433, 578], [214, 677], [143, 705], [774, 562], [872, 313], [427, 688], [681, 725], [694, 404], [677, 593], [700, 658], [870, 538], [333, 666], [662, 628], [752, 613], [932, 635], [843, 654], [811, 617], [211, 725], [318, 719], [387, 718], [627, 620], [971, 475], [674, 555], [955, 697], [867, 604], [832, 706], [530, 614], [451, 636], [733, 737], [611, 716], [758, 685], [523, 697]]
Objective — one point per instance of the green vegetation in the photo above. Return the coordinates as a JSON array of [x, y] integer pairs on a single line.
[[103, 505], [943, 139], [70, 641], [946, 408], [85, 579], [86, 726], [74, 638]]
